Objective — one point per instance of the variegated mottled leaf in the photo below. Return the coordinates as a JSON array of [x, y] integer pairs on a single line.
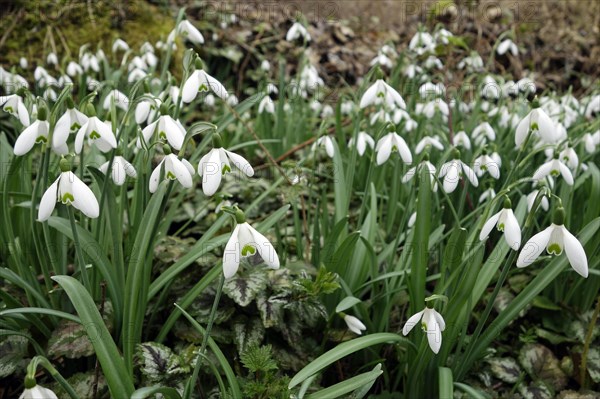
[[248, 332], [154, 360], [13, 350], [70, 340], [506, 369], [541, 364], [535, 391], [271, 309], [245, 285], [593, 364]]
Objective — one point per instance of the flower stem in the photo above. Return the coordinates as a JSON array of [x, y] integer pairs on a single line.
[[42, 361], [80, 259]]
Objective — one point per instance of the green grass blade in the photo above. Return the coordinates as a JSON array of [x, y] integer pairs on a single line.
[[351, 384], [445, 381], [147, 392]]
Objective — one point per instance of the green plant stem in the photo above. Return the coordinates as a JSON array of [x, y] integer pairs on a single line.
[[586, 346], [86, 281], [42, 361], [202, 353]]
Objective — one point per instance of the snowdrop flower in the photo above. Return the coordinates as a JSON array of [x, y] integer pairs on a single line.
[[136, 74], [150, 59], [591, 141], [13, 104], [70, 122], [265, 66], [507, 45], [214, 165], [442, 36], [200, 81], [354, 324], [69, 190], [120, 169], [453, 170], [327, 111], [389, 143], [209, 100], [485, 163], [363, 140], [531, 200], [309, 78], [429, 90], [146, 110], [539, 122], [327, 142], [174, 169], [297, 31], [593, 107], [167, 129], [188, 31], [36, 133], [266, 105], [473, 62], [570, 158], [431, 322], [347, 107], [74, 69], [483, 132], [233, 101], [381, 92], [411, 70], [554, 168], [38, 392], [383, 60], [119, 45], [421, 43], [89, 61], [488, 194], [23, 63], [526, 86], [506, 222], [245, 241], [412, 172], [432, 141], [555, 239], [120, 99], [98, 133], [52, 59], [461, 139], [433, 62]]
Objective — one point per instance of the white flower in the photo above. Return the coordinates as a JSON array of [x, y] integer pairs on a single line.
[[412, 172], [119, 44], [432, 323], [70, 122], [38, 392], [531, 200], [35, 133], [363, 140], [461, 139], [327, 142], [421, 43], [265, 66], [483, 131], [98, 133], [297, 31], [354, 324], [120, 169], [23, 63], [485, 163], [74, 69], [201, 81], [431, 90], [174, 169], [389, 143], [506, 222], [381, 92], [146, 110], [14, 105], [69, 190], [383, 60], [188, 31], [214, 165], [591, 141], [52, 59], [569, 156], [507, 45], [89, 61], [266, 104], [120, 99], [452, 171], [554, 168], [167, 129], [246, 241], [150, 59], [554, 239], [136, 74], [429, 141], [490, 193], [539, 122]]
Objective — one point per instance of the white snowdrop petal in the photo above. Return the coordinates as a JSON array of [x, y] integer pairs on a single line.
[[488, 226], [575, 253], [412, 322], [232, 254], [534, 247]]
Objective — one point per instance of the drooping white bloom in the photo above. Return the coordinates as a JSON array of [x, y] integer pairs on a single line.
[[473, 62], [591, 141], [246, 241], [13, 104], [266, 105], [38, 392], [120, 99], [200, 81], [433, 62], [461, 139], [483, 132], [119, 45], [569, 157], [412, 172], [490, 194], [555, 239], [432, 141], [421, 43], [554, 168], [69, 190], [120, 169], [89, 62], [52, 59], [70, 122], [389, 143], [442, 36], [383, 60], [354, 324], [136, 74], [214, 165], [531, 200], [23, 63], [485, 163], [174, 169], [74, 69], [146, 110], [593, 106], [507, 45], [98, 133], [432, 323], [380, 92], [297, 31], [363, 140], [506, 222], [452, 171], [327, 142], [265, 65], [35, 133], [188, 31], [539, 122], [167, 129]]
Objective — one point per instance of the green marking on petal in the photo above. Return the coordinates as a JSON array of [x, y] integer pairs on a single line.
[[394, 148], [171, 176], [94, 135], [501, 227], [75, 126], [483, 167], [67, 198], [203, 87], [554, 249], [41, 139], [380, 94], [554, 173], [162, 135], [424, 326], [226, 169], [534, 126], [10, 110], [248, 250]]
